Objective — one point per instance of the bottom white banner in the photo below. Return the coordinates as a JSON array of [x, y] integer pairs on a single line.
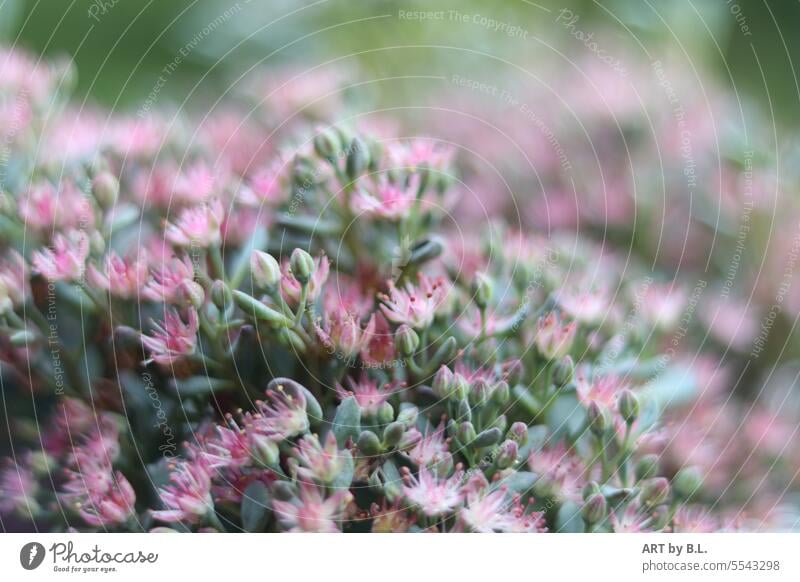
[[384, 558]]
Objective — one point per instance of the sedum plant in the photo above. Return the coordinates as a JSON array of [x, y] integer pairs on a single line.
[[212, 332]]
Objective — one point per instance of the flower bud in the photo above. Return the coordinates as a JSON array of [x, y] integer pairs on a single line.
[[687, 482], [597, 418], [647, 467], [369, 444], [408, 415], [466, 433], [519, 433], [554, 338], [507, 455], [105, 189], [594, 510], [264, 451], [479, 393], [464, 411], [563, 371], [265, 270], [385, 413], [327, 144], [406, 340], [482, 290], [193, 293], [443, 383], [590, 489], [221, 295], [357, 158], [393, 434], [628, 406], [488, 438], [513, 371], [655, 491], [460, 387], [302, 265], [283, 491], [501, 393]]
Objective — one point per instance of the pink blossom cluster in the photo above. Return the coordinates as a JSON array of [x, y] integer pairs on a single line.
[[311, 333]]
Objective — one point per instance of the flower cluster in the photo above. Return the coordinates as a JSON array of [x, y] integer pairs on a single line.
[[224, 335]]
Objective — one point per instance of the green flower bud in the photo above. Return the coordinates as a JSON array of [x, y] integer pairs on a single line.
[[488, 438], [327, 144], [519, 433], [265, 270], [443, 383], [501, 393], [369, 444], [479, 393], [283, 491], [563, 371], [594, 510], [590, 489], [302, 265], [687, 482], [385, 413], [628, 406], [408, 415], [597, 418], [193, 293], [406, 340], [221, 295], [357, 158], [466, 433], [507, 455], [464, 411], [460, 387], [647, 467], [393, 434], [264, 451], [482, 290], [655, 491], [105, 189]]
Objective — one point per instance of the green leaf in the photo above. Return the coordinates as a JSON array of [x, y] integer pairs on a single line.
[[257, 310], [254, 506], [345, 477], [347, 422], [569, 518]]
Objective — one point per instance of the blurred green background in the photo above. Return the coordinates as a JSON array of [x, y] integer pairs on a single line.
[[120, 46]]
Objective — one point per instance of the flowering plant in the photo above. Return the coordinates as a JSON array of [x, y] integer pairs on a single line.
[[202, 335]]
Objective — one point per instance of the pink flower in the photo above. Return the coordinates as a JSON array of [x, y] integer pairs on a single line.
[[369, 395], [420, 153], [121, 277], [690, 519], [632, 520], [188, 498], [379, 346], [317, 462], [196, 184], [585, 306], [559, 471], [173, 339], [18, 489], [432, 449], [312, 511], [169, 280], [387, 200], [66, 261], [227, 447], [485, 511], [284, 416], [603, 390], [197, 226], [291, 287], [45, 207], [433, 495], [101, 496], [415, 306], [267, 186], [661, 305], [553, 337], [342, 333]]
